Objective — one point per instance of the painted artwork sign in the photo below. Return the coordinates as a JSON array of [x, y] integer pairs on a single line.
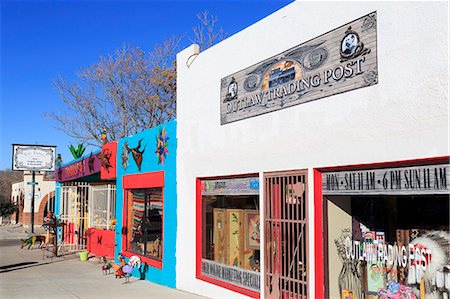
[[33, 157], [252, 229], [108, 157], [432, 179], [235, 186], [245, 278], [78, 169], [335, 62]]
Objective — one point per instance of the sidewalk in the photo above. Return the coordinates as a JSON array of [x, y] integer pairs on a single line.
[[13, 231], [24, 274]]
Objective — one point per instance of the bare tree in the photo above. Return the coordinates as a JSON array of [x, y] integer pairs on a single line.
[[128, 91], [7, 178], [123, 93], [205, 33]]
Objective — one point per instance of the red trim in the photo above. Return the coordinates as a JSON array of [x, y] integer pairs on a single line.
[[318, 206], [136, 181], [229, 286], [229, 176], [318, 235], [199, 244], [143, 180], [124, 219], [198, 229]]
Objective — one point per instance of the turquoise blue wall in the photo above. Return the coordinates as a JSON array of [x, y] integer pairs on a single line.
[[58, 199], [58, 206], [166, 275]]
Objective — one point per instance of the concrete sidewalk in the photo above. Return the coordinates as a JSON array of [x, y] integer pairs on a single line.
[[13, 232], [25, 274]]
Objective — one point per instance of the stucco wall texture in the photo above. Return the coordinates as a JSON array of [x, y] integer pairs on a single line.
[[404, 116]]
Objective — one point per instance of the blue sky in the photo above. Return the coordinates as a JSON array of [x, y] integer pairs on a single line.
[[43, 39]]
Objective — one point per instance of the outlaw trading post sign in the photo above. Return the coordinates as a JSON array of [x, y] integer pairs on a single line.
[[33, 157], [338, 61]]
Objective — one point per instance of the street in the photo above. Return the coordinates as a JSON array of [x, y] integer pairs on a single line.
[[25, 274]]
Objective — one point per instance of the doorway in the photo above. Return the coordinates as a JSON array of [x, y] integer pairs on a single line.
[[286, 235]]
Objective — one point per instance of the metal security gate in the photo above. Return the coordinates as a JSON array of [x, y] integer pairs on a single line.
[[74, 212], [102, 206], [286, 239]]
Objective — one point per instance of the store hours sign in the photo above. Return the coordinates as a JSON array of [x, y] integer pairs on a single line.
[[338, 61], [432, 179]]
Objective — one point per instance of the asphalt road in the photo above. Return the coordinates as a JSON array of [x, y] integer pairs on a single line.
[[25, 274]]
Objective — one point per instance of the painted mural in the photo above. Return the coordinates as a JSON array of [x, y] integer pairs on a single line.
[[161, 145], [79, 168]]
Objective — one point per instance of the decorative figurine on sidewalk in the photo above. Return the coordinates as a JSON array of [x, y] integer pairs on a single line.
[[118, 269], [106, 268], [31, 241], [134, 262]]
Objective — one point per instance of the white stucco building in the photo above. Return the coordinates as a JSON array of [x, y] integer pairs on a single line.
[[44, 198], [360, 153]]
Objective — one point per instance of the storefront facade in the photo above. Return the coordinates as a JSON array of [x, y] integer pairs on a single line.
[[85, 201], [146, 202], [123, 200], [314, 91], [384, 226]]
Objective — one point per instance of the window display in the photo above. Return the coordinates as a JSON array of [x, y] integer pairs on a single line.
[[102, 206], [231, 231], [391, 245], [145, 215]]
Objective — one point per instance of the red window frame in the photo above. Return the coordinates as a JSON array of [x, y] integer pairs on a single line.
[[319, 233], [199, 240], [141, 181]]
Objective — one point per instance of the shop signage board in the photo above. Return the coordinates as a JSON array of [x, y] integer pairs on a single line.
[[245, 278], [338, 61], [31, 157], [79, 168], [432, 179], [236, 186]]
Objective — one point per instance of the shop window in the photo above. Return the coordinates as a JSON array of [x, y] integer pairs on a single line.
[[230, 232], [102, 206], [388, 246], [145, 222]]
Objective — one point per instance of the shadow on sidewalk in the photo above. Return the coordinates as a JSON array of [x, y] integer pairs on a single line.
[[17, 265], [25, 265]]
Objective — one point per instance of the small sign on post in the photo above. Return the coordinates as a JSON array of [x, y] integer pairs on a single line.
[[30, 157]]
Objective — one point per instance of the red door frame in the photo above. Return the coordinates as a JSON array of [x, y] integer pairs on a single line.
[[137, 181], [199, 240], [318, 207]]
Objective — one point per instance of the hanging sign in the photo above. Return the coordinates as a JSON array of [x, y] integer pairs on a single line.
[[33, 157], [432, 179], [338, 61], [78, 169]]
